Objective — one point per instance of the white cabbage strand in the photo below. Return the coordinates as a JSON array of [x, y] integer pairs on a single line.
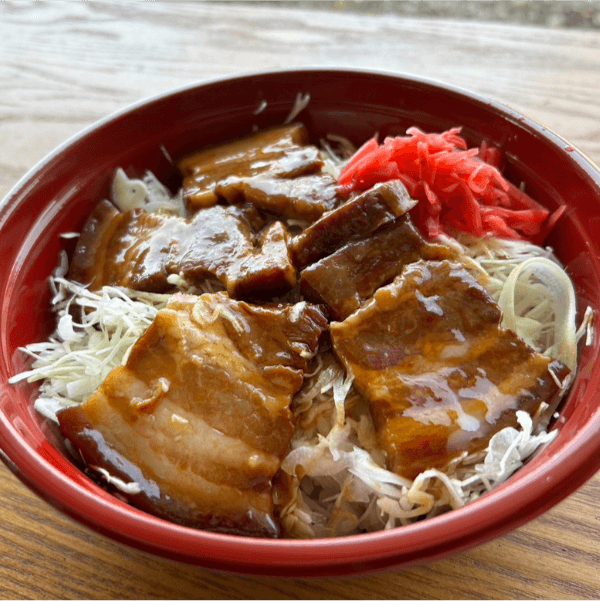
[[147, 193], [77, 359], [562, 298]]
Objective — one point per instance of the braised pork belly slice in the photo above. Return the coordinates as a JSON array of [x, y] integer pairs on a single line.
[[140, 250], [353, 220], [275, 169], [345, 279], [199, 415], [440, 373], [304, 198]]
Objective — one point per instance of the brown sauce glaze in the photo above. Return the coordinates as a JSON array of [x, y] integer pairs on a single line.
[[354, 219], [275, 169], [440, 374], [348, 277], [199, 415], [303, 198], [140, 250]]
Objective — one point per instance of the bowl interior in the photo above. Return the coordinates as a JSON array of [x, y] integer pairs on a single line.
[[59, 193]]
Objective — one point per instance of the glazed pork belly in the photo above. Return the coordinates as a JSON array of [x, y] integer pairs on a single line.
[[275, 169], [360, 246], [353, 220], [345, 279], [440, 373], [139, 250], [199, 415]]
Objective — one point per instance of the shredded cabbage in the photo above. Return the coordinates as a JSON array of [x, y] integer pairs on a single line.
[[147, 193], [541, 277], [534, 292], [81, 353], [300, 103], [340, 484]]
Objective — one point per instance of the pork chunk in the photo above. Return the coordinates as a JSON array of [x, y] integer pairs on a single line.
[[199, 415], [140, 250], [440, 373], [353, 220], [275, 169], [348, 277]]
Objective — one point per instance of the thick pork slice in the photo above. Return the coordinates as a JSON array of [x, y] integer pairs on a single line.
[[199, 416], [349, 276], [440, 373], [140, 250], [353, 220], [275, 169]]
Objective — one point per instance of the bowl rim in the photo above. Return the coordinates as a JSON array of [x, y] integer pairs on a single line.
[[464, 528], [584, 161]]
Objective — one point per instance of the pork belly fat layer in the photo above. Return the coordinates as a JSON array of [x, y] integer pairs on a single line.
[[345, 279], [140, 250], [440, 374], [275, 169], [353, 220], [199, 415]]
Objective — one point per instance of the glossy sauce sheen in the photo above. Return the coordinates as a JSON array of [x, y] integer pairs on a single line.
[[440, 374], [275, 169], [348, 277], [199, 415], [140, 250], [353, 220]]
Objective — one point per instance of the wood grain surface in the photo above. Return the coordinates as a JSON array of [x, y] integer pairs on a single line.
[[64, 65]]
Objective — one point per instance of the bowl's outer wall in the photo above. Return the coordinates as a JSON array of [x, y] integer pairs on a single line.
[[59, 193]]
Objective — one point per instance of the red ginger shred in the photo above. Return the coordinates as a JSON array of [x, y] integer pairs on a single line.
[[459, 188]]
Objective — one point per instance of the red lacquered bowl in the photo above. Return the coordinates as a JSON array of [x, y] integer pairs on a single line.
[[58, 194]]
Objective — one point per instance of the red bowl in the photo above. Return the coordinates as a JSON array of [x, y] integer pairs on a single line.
[[58, 194]]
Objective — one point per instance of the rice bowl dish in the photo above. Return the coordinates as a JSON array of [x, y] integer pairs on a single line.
[[347, 491], [340, 467]]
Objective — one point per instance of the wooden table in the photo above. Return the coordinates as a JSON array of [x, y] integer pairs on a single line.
[[65, 65]]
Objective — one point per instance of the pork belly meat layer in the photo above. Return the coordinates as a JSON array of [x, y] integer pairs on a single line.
[[440, 373], [349, 276], [353, 220], [275, 169], [140, 250], [199, 415]]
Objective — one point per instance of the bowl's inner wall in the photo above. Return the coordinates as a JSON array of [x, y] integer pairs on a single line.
[[60, 195]]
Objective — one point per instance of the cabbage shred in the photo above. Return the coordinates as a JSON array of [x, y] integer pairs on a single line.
[[77, 358]]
